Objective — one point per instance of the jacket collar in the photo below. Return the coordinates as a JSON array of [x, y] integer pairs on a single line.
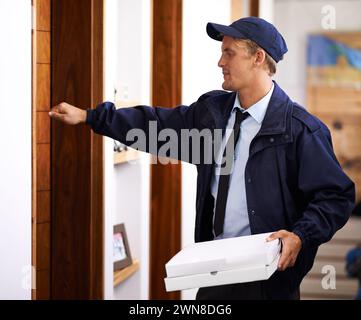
[[278, 115], [277, 119]]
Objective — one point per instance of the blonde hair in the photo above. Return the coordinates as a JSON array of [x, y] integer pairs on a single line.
[[252, 48]]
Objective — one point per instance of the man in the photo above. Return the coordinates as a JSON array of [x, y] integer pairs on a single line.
[[353, 267], [284, 174]]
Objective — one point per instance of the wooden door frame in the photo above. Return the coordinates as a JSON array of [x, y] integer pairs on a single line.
[[254, 8], [166, 187], [166, 181], [77, 153]]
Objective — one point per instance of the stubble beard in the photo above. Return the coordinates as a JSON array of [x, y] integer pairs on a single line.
[[227, 86]]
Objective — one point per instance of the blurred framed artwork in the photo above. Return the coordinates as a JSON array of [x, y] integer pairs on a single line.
[[334, 94], [121, 252], [334, 60]]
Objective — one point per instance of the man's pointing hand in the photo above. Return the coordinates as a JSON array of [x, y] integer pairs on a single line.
[[68, 114]]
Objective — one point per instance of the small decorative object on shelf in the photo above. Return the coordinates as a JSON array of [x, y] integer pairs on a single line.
[[121, 252], [126, 156], [122, 153], [119, 147]]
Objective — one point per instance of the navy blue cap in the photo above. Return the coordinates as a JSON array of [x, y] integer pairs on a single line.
[[256, 29]]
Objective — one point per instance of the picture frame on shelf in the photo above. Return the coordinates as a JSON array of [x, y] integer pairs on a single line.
[[122, 257]]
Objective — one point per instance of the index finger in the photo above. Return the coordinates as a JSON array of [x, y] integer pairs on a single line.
[[56, 115], [58, 108]]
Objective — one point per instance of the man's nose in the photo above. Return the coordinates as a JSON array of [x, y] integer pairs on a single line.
[[220, 62]]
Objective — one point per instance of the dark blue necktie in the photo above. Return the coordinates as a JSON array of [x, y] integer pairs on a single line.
[[224, 177]]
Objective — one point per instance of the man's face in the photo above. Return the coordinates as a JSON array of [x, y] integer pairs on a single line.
[[236, 63]]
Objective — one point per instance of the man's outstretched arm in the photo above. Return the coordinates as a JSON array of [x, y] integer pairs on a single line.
[[117, 124], [106, 120]]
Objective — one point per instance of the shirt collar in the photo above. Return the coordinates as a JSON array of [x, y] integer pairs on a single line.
[[258, 110]]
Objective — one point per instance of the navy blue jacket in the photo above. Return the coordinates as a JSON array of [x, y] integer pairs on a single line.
[[293, 179]]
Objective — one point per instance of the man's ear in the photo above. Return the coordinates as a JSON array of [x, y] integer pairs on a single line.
[[259, 57]]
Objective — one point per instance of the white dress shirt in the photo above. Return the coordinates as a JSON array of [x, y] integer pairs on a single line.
[[236, 222]]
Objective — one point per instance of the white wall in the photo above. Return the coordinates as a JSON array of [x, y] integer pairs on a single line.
[[15, 146], [127, 186], [296, 19], [200, 74], [266, 8]]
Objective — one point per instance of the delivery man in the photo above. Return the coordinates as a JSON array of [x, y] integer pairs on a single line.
[[284, 175]]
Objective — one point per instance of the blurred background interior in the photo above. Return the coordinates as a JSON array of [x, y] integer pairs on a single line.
[[64, 191]]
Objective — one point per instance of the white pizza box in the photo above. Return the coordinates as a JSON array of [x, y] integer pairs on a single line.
[[226, 261]]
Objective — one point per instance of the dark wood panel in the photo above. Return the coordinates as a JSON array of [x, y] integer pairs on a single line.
[[43, 206], [43, 284], [254, 8], [165, 179], [97, 198], [77, 175], [43, 246]]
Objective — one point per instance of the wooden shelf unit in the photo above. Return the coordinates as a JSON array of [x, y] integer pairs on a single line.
[[121, 275], [126, 156]]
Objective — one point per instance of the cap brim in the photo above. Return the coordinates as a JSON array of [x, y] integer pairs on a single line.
[[217, 31]]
